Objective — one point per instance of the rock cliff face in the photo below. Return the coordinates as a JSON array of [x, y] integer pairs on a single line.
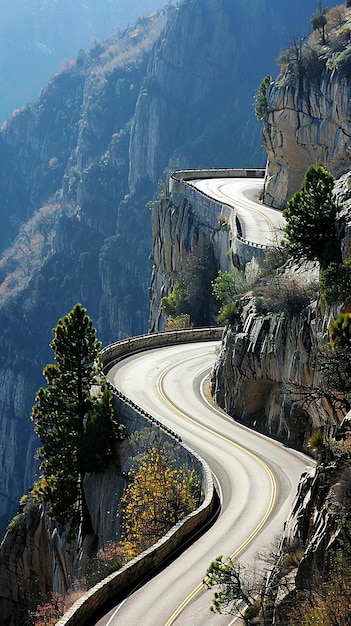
[[183, 224], [37, 559], [184, 82], [316, 536], [271, 375], [308, 110], [64, 169], [270, 370], [78, 166], [38, 37], [268, 377], [306, 124]]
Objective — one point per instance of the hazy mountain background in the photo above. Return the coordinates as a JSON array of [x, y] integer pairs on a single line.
[[79, 164], [38, 37]]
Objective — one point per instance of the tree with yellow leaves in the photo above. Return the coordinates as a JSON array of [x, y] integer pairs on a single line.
[[157, 497]]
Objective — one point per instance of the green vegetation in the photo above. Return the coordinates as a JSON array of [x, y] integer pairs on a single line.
[[260, 98], [316, 442], [311, 219], [342, 62], [74, 421], [191, 299], [174, 304], [226, 287], [335, 281], [228, 315], [319, 20], [234, 596], [340, 332]]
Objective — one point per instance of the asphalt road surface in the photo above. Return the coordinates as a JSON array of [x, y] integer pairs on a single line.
[[256, 477], [259, 224]]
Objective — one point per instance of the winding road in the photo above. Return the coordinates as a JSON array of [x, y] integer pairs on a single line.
[[256, 479], [259, 224]]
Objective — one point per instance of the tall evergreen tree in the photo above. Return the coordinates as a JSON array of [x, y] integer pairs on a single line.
[[311, 219], [66, 414]]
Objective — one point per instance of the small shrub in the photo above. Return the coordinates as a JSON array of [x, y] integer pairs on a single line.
[[252, 611], [286, 296], [228, 315], [106, 561], [316, 442], [49, 613], [340, 332], [261, 99], [343, 62], [178, 322], [293, 554], [175, 303], [274, 258], [227, 285], [335, 281]]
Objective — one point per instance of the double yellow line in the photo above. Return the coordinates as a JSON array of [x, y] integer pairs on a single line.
[[266, 468]]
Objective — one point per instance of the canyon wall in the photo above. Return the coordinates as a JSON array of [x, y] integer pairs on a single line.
[[306, 118]]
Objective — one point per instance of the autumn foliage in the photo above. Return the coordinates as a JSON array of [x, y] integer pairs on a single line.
[[156, 498]]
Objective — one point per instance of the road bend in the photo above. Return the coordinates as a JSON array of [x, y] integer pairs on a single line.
[[259, 224], [256, 477]]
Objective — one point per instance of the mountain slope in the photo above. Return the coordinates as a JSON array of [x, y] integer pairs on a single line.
[[79, 165], [37, 38]]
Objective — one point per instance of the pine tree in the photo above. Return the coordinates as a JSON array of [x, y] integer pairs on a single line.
[[65, 413], [311, 219]]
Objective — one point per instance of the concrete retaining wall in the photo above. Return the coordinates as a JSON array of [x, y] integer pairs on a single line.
[[119, 583]]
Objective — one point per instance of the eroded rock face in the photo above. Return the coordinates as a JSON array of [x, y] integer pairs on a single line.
[[37, 558], [316, 520], [307, 123], [268, 373]]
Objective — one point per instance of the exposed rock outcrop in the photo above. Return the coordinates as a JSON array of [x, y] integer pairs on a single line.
[[307, 119], [306, 124], [268, 374], [314, 529], [270, 371], [37, 558]]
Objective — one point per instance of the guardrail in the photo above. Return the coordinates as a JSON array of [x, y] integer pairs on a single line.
[[253, 244], [119, 583]]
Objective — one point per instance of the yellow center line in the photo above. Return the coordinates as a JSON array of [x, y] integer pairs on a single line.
[[267, 469]]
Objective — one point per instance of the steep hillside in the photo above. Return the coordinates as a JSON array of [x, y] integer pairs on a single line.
[[37, 38], [79, 165]]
